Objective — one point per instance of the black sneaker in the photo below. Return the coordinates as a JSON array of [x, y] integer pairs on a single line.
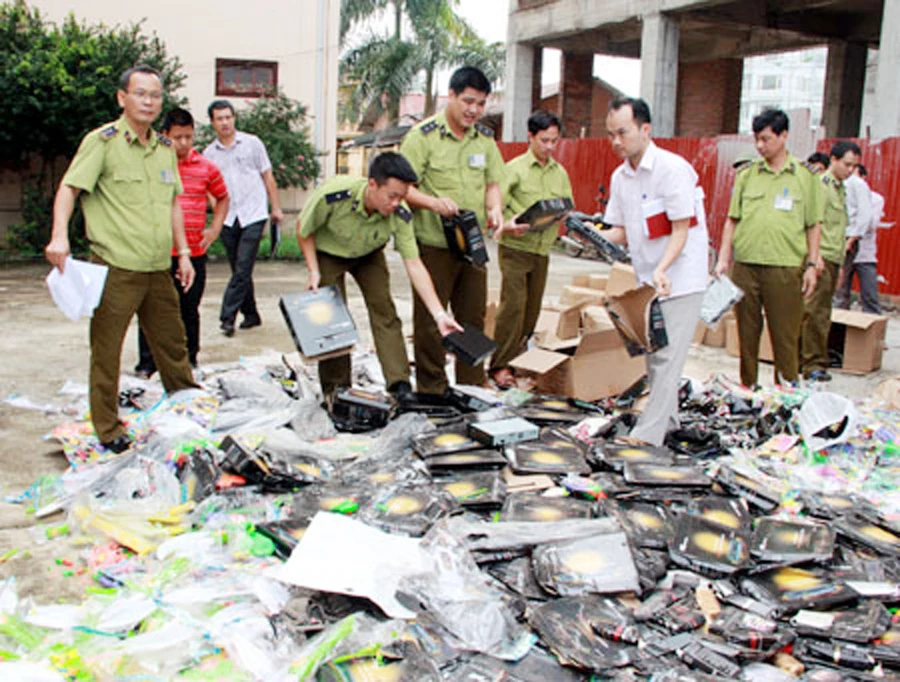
[[818, 375], [119, 444], [402, 392], [227, 328], [144, 372], [250, 323]]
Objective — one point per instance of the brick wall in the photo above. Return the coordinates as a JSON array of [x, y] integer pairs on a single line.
[[709, 98], [576, 85]]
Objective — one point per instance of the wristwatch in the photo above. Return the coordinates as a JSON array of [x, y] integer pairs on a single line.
[[810, 264]]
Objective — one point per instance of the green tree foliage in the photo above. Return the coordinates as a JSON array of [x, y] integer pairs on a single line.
[[57, 82], [389, 66], [280, 123]]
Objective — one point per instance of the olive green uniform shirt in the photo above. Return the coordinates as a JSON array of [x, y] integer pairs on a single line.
[[337, 216], [834, 220], [459, 169], [527, 182], [130, 191], [773, 211]]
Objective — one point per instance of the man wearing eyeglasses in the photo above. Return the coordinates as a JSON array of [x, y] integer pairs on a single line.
[[127, 177]]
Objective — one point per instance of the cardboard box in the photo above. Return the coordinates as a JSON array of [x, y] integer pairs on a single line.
[[572, 295], [638, 317], [857, 338], [716, 336], [699, 334], [598, 367], [598, 282], [582, 279], [595, 318], [621, 279], [557, 325]]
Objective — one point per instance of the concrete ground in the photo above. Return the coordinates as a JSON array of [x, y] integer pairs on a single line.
[[41, 349]]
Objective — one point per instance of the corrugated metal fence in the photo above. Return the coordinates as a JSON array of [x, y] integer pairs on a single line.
[[590, 163]]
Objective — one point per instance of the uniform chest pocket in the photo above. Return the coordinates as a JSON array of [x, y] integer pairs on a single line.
[[130, 187], [444, 176], [752, 202]]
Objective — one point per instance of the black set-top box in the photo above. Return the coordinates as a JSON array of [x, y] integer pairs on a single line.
[[319, 322], [464, 237], [545, 213]]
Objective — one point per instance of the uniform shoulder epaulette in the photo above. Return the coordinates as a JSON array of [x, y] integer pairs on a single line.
[[109, 132], [340, 195], [429, 127], [825, 179], [484, 130], [164, 140], [808, 166], [404, 214], [743, 166]]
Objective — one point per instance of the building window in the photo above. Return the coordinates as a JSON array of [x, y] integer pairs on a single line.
[[769, 82], [245, 78]]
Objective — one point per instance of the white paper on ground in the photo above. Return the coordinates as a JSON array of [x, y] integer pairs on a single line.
[[339, 554], [77, 290]]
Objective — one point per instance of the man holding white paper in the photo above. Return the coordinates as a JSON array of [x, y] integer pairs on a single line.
[[656, 209], [127, 178]]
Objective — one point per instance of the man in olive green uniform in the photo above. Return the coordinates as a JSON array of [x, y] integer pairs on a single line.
[[817, 318], [129, 176], [343, 229], [459, 167], [524, 256], [773, 225]]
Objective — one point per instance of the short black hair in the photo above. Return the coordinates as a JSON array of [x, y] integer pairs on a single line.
[[177, 117], [391, 165], [862, 171], [639, 108], [775, 119], [818, 157], [125, 78], [541, 120], [841, 147], [218, 104], [469, 77]]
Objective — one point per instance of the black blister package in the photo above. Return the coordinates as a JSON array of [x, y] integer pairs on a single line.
[[482, 459], [615, 456], [750, 631], [869, 534], [597, 564], [846, 655], [791, 588], [647, 525], [682, 616], [762, 493], [537, 508], [703, 658], [475, 490], [443, 442], [464, 237], [867, 621], [658, 475], [470, 346], [827, 506], [518, 575], [708, 548], [652, 565], [260, 468], [342, 499], [727, 512], [407, 510], [356, 411], [791, 541], [564, 626], [552, 454]]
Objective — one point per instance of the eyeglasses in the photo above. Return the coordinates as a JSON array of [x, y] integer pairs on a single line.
[[144, 94]]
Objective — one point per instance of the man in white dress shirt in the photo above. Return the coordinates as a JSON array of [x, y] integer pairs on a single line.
[[864, 211], [656, 209]]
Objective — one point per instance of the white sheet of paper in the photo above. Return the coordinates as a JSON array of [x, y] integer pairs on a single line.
[[78, 289], [339, 554]]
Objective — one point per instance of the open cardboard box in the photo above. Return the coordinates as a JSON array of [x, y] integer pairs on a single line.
[[575, 295], [857, 339], [594, 366], [638, 317]]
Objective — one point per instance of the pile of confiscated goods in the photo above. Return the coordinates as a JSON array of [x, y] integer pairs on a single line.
[[512, 537]]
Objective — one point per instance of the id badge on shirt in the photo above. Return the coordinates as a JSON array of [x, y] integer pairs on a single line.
[[167, 177], [477, 161], [784, 202]]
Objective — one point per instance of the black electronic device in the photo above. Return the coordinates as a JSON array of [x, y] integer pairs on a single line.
[[612, 253], [464, 237], [355, 410], [471, 346], [319, 322], [545, 213]]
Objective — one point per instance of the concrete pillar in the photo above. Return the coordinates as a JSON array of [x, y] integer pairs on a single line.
[[537, 69], [845, 79], [659, 70], [517, 103], [887, 93], [575, 93], [709, 98]]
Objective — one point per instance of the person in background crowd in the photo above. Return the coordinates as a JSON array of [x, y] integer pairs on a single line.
[[864, 263]]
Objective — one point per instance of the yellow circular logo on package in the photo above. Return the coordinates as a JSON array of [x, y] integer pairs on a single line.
[[382, 477], [880, 534], [632, 453], [460, 488], [403, 504], [309, 469], [665, 474], [646, 520], [711, 543], [890, 637], [547, 513], [789, 537], [327, 503], [838, 502], [449, 439], [320, 313], [545, 457], [373, 671], [464, 458], [722, 517], [796, 579], [583, 562], [555, 404]]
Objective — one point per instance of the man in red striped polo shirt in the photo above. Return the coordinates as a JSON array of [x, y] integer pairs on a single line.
[[202, 181]]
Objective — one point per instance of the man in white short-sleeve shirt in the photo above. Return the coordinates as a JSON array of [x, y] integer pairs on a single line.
[[656, 209]]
